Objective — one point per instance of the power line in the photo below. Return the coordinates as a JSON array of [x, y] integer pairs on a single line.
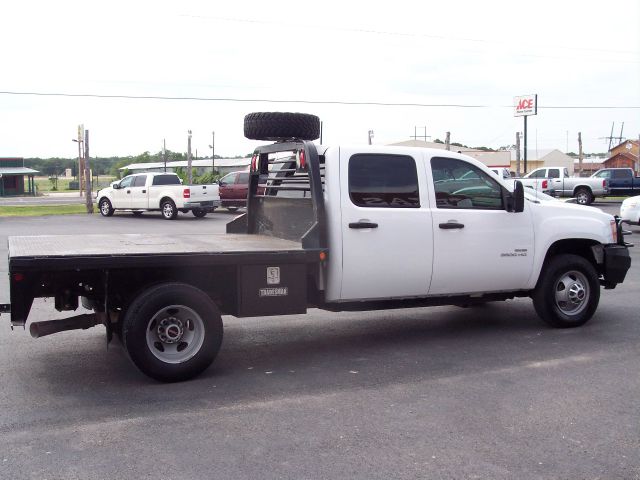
[[403, 34], [311, 102]]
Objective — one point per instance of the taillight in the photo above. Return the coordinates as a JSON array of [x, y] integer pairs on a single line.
[[254, 163], [186, 193], [301, 160], [18, 277], [545, 184], [604, 183], [614, 231]]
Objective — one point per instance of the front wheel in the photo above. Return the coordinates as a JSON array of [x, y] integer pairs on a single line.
[[232, 209], [583, 196], [172, 331], [568, 291], [169, 210], [106, 210]]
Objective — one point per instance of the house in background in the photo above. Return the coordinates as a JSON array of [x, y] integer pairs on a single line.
[[12, 173], [543, 158], [624, 155]]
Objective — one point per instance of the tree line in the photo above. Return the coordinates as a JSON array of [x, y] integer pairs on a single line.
[[56, 166]]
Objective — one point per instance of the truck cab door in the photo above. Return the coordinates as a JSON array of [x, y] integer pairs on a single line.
[[122, 195], [478, 245], [139, 192], [385, 226]]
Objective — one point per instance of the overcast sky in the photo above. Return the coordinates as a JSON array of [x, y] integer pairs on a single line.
[[571, 53]]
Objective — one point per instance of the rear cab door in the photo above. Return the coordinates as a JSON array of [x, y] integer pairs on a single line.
[[385, 224], [139, 192], [478, 245]]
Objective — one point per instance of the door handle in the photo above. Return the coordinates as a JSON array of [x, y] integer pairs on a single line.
[[128, 191], [144, 191], [451, 225], [363, 225]]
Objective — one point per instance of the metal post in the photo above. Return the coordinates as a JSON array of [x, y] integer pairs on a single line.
[[79, 175], [189, 176], [447, 141], [164, 154], [87, 173], [213, 152], [517, 154], [580, 154], [525, 144]]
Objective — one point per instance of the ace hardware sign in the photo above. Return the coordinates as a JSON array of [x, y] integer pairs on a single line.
[[525, 105]]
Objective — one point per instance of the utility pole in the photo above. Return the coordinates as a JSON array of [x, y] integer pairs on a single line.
[[87, 173], [213, 152], [164, 154], [517, 154], [580, 153], [370, 134], [189, 175], [447, 141], [638, 157], [80, 140]]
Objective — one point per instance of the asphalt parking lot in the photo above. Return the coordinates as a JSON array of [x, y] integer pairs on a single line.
[[445, 393]]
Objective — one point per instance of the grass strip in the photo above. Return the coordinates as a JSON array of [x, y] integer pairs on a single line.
[[39, 210]]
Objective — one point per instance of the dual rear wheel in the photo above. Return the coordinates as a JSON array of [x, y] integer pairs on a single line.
[[172, 331]]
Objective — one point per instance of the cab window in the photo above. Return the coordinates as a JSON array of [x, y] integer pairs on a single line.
[[387, 181], [539, 174], [458, 184], [126, 182], [554, 173], [139, 181], [228, 179]]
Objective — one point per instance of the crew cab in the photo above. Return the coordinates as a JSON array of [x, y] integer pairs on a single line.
[[560, 184], [621, 181], [142, 192], [344, 227]]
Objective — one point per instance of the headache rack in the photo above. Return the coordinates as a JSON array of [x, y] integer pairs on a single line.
[[286, 194]]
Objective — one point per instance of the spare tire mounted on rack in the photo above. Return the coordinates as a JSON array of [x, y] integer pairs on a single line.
[[280, 125]]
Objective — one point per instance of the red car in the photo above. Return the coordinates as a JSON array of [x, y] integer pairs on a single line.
[[233, 190]]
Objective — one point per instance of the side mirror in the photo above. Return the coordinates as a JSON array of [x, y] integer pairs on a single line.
[[514, 201], [115, 186], [518, 197]]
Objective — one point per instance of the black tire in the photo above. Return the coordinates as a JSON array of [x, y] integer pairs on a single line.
[[232, 209], [568, 291], [137, 213], [104, 205], [199, 212], [278, 125], [583, 196], [169, 210], [143, 323]]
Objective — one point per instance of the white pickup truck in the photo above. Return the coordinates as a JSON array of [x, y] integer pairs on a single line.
[[142, 192], [556, 181], [333, 227]]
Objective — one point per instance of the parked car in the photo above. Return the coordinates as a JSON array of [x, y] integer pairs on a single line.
[[142, 192], [621, 181], [233, 189], [630, 210]]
